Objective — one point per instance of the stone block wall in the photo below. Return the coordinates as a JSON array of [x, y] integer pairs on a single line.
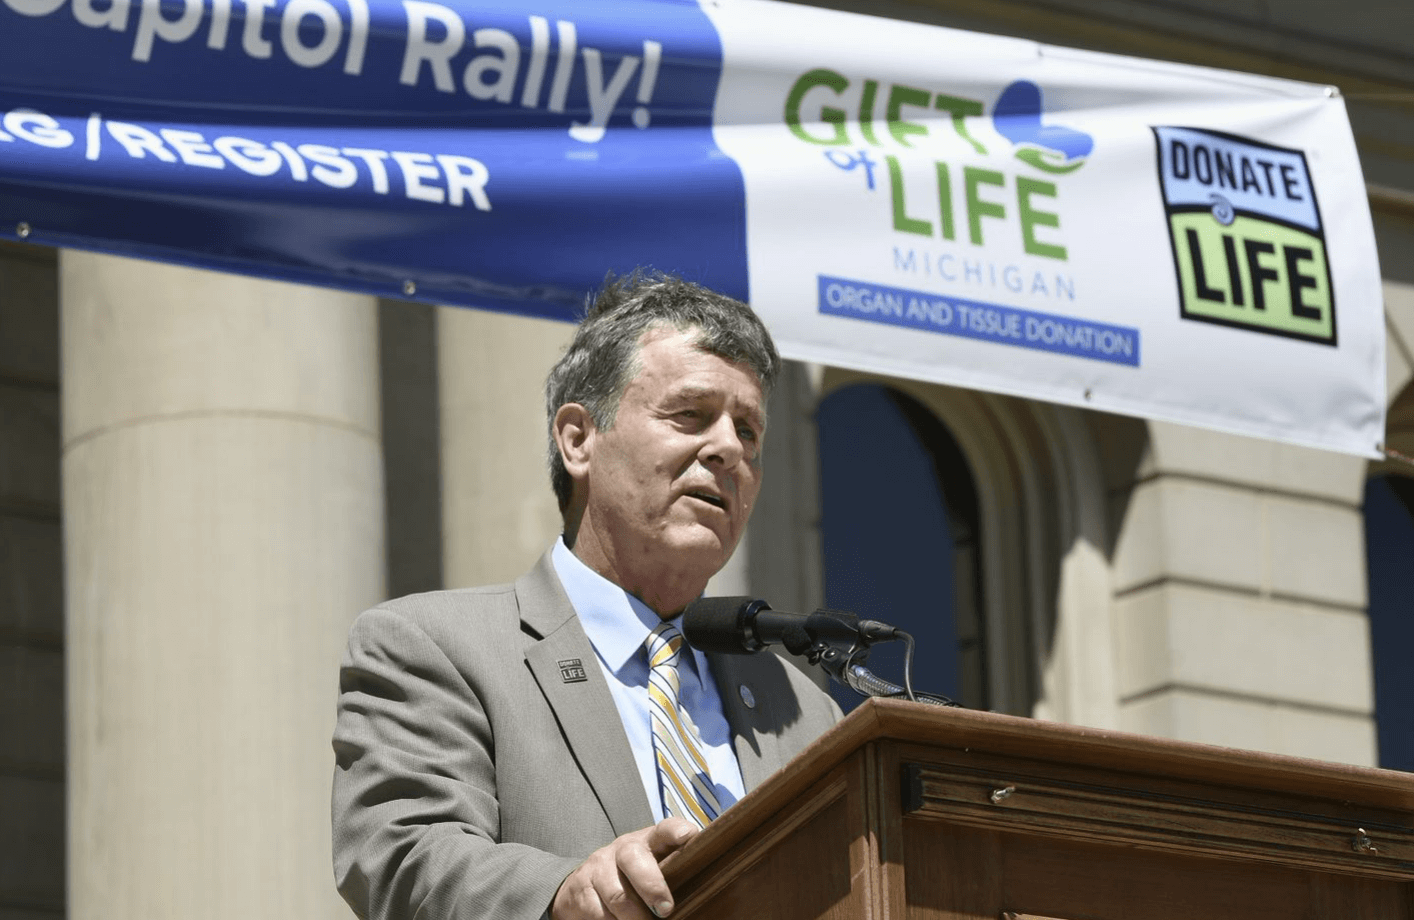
[[1240, 597]]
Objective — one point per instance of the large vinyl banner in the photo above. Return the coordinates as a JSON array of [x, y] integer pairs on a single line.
[[1138, 237]]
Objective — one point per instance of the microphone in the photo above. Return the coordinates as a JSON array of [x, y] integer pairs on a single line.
[[743, 625], [835, 640]]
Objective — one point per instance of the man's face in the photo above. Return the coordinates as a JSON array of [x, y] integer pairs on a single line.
[[672, 483]]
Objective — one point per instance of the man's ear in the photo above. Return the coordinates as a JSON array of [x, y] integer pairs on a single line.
[[574, 434]]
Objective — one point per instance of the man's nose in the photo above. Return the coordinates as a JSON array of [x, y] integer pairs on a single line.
[[722, 443]]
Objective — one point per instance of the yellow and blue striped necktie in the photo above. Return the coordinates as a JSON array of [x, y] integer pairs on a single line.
[[683, 777]]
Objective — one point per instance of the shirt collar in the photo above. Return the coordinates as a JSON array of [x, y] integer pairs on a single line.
[[616, 622]]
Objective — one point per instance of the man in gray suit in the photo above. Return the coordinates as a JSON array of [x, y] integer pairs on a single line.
[[495, 752]]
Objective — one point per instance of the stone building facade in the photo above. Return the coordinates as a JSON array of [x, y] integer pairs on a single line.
[[203, 478]]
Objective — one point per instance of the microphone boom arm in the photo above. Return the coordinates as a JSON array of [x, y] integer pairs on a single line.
[[842, 657]]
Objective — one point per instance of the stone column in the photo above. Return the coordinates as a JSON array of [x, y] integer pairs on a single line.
[[498, 511], [780, 557], [223, 524]]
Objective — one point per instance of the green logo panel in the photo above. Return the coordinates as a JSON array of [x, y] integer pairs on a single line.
[[1253, 273]]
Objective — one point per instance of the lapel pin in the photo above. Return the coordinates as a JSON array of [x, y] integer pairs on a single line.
[[747, 696], [572, 671]]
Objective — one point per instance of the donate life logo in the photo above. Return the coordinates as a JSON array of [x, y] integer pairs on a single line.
[[1248, 244]]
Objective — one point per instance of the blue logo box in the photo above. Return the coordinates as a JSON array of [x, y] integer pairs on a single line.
[[972, 319]]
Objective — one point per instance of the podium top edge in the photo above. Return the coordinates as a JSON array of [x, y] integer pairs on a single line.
[[1056, 741]]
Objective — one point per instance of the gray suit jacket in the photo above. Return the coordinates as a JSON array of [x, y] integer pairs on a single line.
[[479, 756]]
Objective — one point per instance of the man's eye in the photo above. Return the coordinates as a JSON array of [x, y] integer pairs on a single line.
[[746, 433]]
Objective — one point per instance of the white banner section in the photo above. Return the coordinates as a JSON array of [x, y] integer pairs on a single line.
[[1127, 235]]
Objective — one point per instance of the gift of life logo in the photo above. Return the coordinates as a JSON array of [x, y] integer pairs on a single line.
[[1248, 244], [845, 116], [957, 179]]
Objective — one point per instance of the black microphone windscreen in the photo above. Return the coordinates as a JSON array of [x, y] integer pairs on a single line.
[[713, 624]]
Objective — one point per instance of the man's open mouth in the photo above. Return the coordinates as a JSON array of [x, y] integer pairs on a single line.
[[709, 498]]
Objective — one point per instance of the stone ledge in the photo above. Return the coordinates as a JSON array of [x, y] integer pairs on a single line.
[[1208, 718], [1226, 642]]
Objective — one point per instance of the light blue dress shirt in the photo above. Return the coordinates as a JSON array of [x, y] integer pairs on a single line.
[[618, 624]]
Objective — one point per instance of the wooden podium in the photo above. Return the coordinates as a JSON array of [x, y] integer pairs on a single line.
[[912, 811]]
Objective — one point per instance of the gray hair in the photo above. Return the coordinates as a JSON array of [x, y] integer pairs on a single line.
[[604, 356]]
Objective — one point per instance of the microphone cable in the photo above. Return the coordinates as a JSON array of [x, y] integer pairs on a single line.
[[907, 663], [871, 684]]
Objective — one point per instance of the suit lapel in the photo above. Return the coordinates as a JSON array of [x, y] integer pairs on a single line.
[[583, 707]]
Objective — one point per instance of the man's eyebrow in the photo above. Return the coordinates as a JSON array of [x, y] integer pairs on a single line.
[[692, 391]]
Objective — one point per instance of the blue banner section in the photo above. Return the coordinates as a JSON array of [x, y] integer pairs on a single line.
[[497, 156], [974, 319]]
